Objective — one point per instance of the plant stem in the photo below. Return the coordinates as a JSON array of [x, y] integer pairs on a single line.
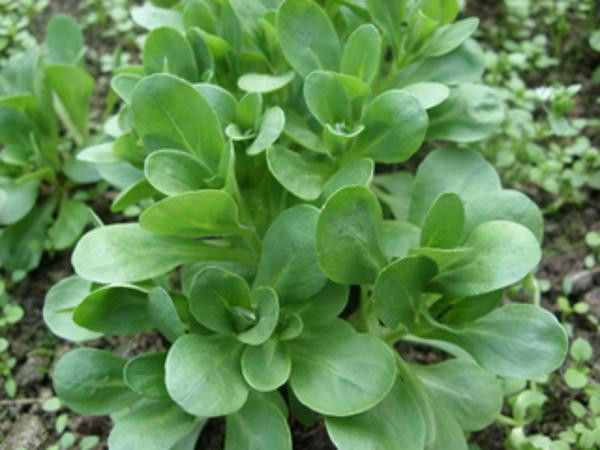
[[505, 420], [20, 401]]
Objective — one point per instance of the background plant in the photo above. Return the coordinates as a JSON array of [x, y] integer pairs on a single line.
[[534, 59], [45, 94]]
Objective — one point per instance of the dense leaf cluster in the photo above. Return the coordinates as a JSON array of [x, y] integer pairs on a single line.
[[250, 135]]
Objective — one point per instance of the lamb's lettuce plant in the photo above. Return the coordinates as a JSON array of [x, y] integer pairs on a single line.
[[255, 128], [44, 107]]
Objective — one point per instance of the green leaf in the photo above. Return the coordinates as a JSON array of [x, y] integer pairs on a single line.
[[362, 53], [251, 12], [248, 111], [64, 41], [16, 133], [429, 94], [221, 100], [99, 154], [203, 375], [215, 295], [323, 307], [145, 374], [166, 50], [297, 130], [581, 350], [471, 113], [124, 84], [150, 17], [272, 126], [503, 254], [389, 16], [304, 175], [348, 237], [259, 425], [90, 381], [504, 205], [166, 113], [72, 218], [267, 312], [468, 309], [193, 214], [395, 127], [59, 304], [442, 430], [130, 254], [163, 314], [196, 13], [504, 341], [153, 425], [73, 88], [326, 99], [356, 173], [575, 378], [444, 223], [268, 366], [291, 327], [394, 423], [473, 395], [22, 243], [594, 40], [264, 83], [19, 199], [461, 171], [288, 262], [174, 172], [338, 372], [398, 290], [443, 11], [307, 37], [464, 65], [114, 310], [132, 195], [219, 47], [398, 237], [450, 37]]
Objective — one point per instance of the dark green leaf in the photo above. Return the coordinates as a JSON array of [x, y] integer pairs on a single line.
[[215, 295], [131, 254], [445, 222], [145, 374], [398, 290], [90, 381], [338, 372], [167, 113], [166, 50], [268, 366], [61, 300], [307, 37], [395, 127], [259, 425], [114, 310], [515, 341], [348, 245], [203, 375], [362, 53], [289, 258]]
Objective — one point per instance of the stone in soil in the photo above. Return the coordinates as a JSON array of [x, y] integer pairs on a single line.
[[32, 372], [28, 432]]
